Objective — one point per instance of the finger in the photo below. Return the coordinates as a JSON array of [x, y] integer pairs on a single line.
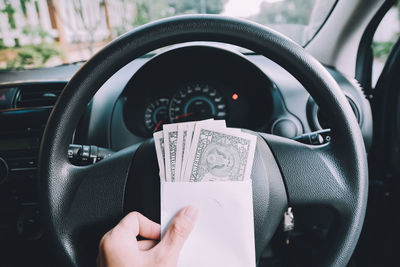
[[100, 260], [147, 244], [179, 230], [100, 256], [137, 224]]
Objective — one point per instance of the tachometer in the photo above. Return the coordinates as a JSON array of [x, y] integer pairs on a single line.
[[156, 114], [197, 101]]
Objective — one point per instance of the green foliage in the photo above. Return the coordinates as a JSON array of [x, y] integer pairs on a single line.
[[398, 8], [33, 32], [37, 6], [32, 56], [27, 56], [9, 10], [285, 12], [2, 45], [148, 10], [142, 13], [197, 6], [381, 50], [23, 6], [118, 30]]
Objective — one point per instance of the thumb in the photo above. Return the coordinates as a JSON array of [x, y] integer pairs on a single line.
[[179, 230]]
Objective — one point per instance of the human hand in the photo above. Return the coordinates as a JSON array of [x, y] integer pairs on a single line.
[[119, 247]]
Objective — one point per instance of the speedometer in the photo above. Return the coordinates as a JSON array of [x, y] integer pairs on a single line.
[[197, 101]]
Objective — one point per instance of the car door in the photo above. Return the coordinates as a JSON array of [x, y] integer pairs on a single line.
[[378, 71]]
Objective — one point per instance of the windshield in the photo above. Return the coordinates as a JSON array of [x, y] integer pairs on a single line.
[[44, 33]]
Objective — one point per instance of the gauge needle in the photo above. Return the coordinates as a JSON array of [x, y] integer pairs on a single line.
[[157, 126], [184, 115]]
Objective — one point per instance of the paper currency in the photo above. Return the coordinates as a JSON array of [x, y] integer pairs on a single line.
[[187, 131], [204, 151], [159, 143], [220, 155], [207, 165], [170, 149]]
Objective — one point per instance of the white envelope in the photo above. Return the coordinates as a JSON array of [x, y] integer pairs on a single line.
[[224, 231]]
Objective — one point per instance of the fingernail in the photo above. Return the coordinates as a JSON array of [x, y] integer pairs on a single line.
[[191, 213]]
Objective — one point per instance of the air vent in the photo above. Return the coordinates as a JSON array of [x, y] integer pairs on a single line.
[[38, 95]]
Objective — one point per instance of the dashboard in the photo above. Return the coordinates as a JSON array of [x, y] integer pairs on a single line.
[[199, 81], [175, 86], [180, 83]]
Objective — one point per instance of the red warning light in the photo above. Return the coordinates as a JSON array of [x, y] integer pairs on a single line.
[[235, 96]]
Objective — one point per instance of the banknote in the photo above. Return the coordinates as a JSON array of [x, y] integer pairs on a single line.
[[169, 144], [181, 138], [159, 144], [208, 165], [186, 129], [211, 122], [218, 154], [170, 148], [204, 151], [188, 140]]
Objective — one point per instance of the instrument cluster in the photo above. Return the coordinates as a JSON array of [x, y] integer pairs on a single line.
[[192, 102], [195, 83]]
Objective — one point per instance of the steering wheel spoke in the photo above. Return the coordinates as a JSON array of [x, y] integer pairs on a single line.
[[107, 178], [322, 176], [81, 216], [311, 173]]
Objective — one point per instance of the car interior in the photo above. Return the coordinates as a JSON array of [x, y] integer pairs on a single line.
[[76, 137]]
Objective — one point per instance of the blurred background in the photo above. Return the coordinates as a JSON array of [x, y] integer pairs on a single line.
[[40, 33]]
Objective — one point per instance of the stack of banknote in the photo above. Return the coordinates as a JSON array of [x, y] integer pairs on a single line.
[[204, 151]]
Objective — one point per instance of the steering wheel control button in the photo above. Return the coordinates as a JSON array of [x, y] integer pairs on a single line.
[[74, 151], [315, 138], [288, 224], [85, 155], [3, 170]]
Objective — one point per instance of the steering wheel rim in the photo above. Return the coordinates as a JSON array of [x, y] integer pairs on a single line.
[[344, 158]]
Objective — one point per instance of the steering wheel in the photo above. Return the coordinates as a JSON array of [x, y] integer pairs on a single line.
[[80, 204]]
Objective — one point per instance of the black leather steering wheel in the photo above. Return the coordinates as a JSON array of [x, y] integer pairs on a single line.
[[81, 203]]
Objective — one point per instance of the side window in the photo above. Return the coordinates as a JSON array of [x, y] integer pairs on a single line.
[[384, 38]]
